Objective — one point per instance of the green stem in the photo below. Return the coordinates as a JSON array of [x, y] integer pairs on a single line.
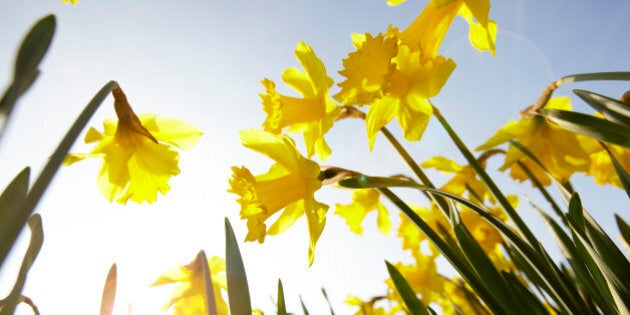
[[424, 179], [481, 172]]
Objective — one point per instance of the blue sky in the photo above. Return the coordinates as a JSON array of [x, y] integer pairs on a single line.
[[201, 61]]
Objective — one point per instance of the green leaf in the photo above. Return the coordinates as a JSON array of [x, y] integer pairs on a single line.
[[527, 300], [534, 260], [207, 283], [11, 202], [454, 256], [595, 76], [623, 228], [624, 178], [376, 182], [109, 292], [282, 308], [40, 185], [484, 267], [332, 312], [304, 309], [37, 238], [238, 289], [576, 213], [597, 128], [412, 302], [612, 109], [30, 54]]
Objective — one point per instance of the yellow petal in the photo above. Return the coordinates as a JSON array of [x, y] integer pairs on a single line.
[[173, 131], [443, 164], [380, 114]]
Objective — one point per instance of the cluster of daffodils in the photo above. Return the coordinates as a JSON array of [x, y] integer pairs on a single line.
[[394, 73]]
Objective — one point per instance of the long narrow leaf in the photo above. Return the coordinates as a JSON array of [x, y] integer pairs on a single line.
[[332, 312], [37, 239], [623, 228], [238, 289], [18, 221], [598, 128], [413, 303], [611, 108], [211, 303], [304, 309], [454, 257], [596, 76], [624, 177], [11, 200], [109, 292], [377, 182], [282, 308]]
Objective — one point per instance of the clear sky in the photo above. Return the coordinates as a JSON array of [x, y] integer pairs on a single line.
[[201, 61]]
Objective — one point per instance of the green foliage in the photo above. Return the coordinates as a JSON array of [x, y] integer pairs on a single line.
[[238, 289]]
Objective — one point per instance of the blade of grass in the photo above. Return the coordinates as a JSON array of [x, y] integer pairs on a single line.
[[282, 308], [238, 289], [37, 239], [109, 292], [412, 302]]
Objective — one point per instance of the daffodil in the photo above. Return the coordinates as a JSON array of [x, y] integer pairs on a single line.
[[71, 1], [364, 201], [602, 169], [366, 308], [138, 152], [368, 69], [464, 178], [313, 114], [559, 150], [290, 184], [412, 83], [189, 296], [428, 30]]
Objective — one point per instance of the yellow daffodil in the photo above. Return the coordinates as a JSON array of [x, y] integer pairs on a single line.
[[602, 169], [412, 83], [456, 301], [394, 2], [364, 201], [464, 180], [313, 114], [428, 30], [138, 152], [290, 184], [367, 70], [559, 150], [71, 1], [189, 296]]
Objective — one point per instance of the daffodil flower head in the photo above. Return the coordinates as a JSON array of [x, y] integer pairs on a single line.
[[429, 29], [138, 152], [602, 168], [313, 114], [411, 85], [189, 296], [290, 184], [71, 1], [559, 150], [363, 202], [368, 69]]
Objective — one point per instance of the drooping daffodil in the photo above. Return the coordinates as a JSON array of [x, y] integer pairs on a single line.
[[290, 184], [138, 152], [363, 202]]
